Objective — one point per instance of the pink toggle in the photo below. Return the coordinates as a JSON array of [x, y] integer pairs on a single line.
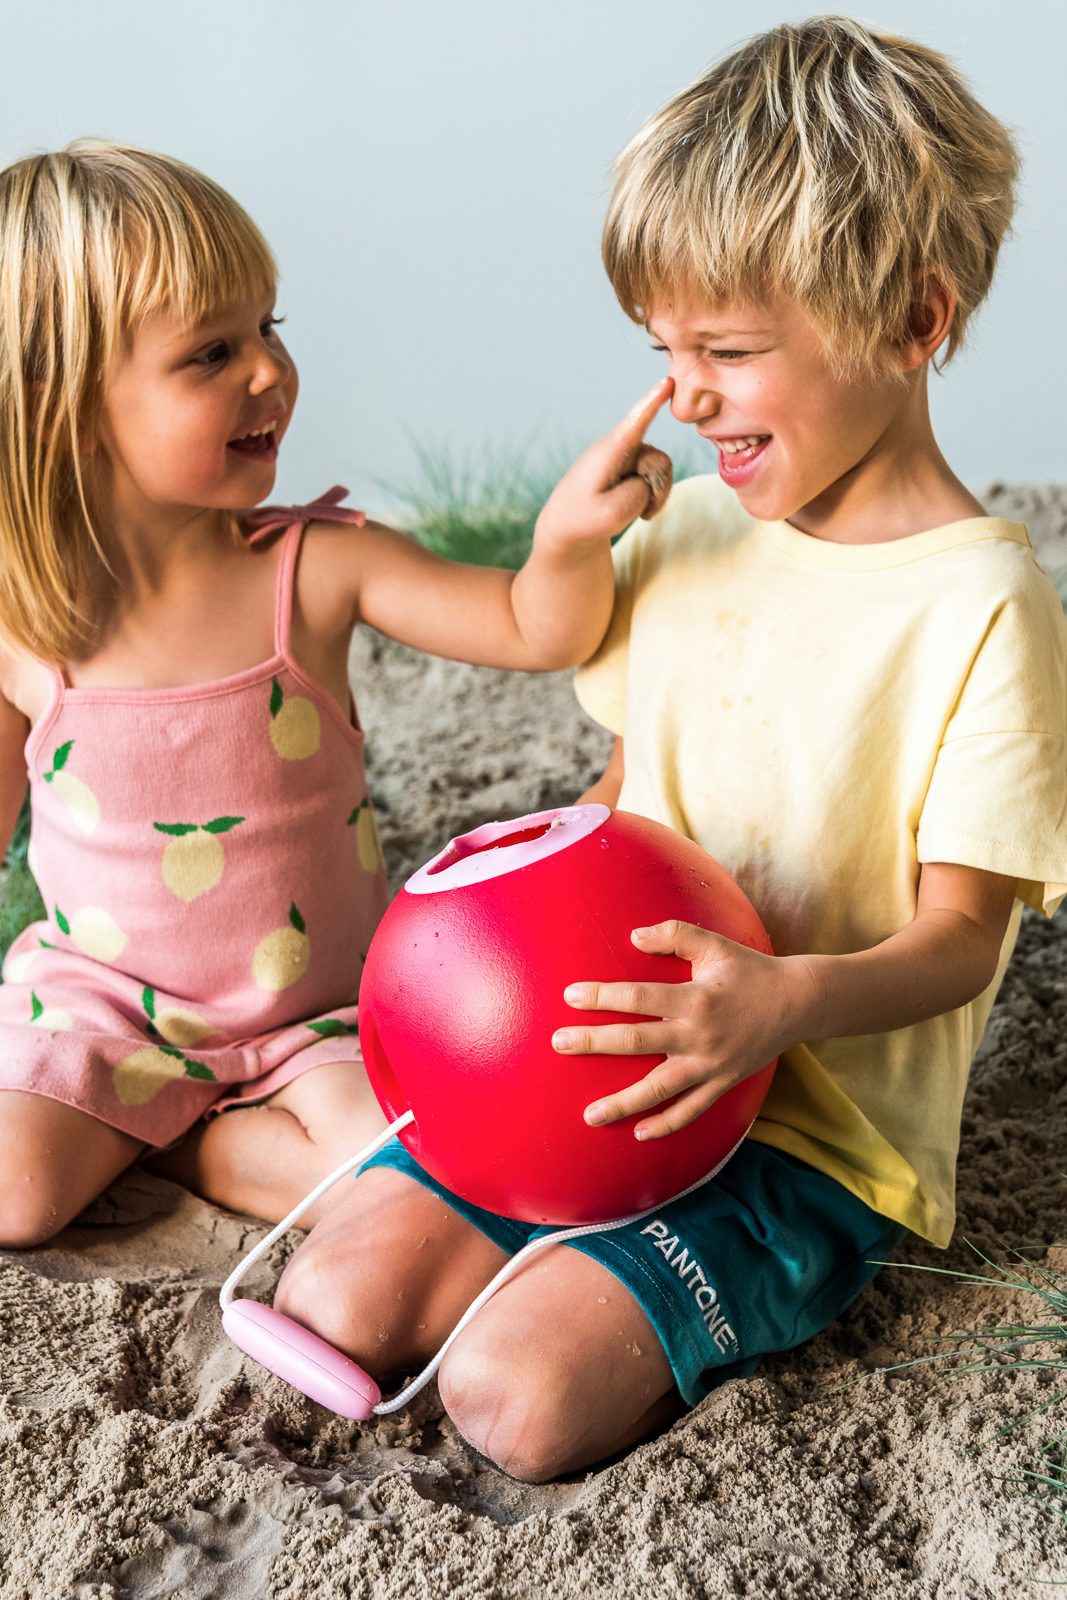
[[268, 519], [302, 1359]]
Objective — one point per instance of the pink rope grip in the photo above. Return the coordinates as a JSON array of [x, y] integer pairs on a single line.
[[302, 1359]]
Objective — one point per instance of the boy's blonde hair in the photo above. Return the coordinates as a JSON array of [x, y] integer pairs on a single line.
[[92, 239], [826, 163]]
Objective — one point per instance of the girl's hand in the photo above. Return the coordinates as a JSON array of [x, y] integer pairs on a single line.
[[737, 1014], [615, 481]]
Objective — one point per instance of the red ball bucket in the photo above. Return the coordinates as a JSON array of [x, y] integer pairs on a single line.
[[463, 989]]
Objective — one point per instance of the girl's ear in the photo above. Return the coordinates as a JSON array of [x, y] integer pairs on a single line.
[[933, 306]]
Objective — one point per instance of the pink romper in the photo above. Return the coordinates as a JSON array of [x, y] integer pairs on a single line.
[[212, 876]]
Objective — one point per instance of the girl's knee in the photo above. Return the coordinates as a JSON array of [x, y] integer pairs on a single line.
[[28, 1218]]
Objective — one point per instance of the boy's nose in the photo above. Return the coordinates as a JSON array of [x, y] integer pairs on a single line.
[[691, 401], [274, 370]]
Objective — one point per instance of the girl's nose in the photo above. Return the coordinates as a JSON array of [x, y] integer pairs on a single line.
[[274, 370]]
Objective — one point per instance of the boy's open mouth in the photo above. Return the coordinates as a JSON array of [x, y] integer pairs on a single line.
[[261, 442], [740, 457]]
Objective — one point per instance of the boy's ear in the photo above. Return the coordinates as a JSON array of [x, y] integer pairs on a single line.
[[933, 307]]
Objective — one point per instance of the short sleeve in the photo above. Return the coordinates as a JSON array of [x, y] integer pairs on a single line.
[[997, 799], [601, 683]]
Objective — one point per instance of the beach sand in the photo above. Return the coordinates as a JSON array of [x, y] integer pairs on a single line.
[[142, 1455]]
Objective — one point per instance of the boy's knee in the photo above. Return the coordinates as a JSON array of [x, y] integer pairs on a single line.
[[324, 1290], [512, 1418]]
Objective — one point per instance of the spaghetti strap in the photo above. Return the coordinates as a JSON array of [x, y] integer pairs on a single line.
[[268, 519]]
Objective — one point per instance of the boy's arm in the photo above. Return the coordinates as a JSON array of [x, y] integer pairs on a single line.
[[555, 611], [742, 1009]]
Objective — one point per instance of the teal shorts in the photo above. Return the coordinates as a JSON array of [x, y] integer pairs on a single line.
[[759, 1258]]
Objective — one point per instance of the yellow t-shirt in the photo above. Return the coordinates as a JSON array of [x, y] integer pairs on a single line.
[[823, 718]]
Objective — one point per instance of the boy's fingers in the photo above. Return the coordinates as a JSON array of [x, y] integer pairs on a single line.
[[620, 447], [657, 470], [646, 999], [615, 1039], [665, 1083]]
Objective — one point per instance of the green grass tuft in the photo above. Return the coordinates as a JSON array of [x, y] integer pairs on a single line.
[[482, 507], [20, 899]]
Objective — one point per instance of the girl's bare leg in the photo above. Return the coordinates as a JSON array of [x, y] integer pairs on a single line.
[[54, 1159], [559, 1370], [262, 1159]]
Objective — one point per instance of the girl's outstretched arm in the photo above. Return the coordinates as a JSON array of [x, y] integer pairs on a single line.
[[555, 611]]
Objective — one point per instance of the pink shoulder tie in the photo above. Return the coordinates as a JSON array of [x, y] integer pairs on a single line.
[[268, 519]]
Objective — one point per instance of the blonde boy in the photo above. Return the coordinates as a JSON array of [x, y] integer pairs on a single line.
[[832, 670]]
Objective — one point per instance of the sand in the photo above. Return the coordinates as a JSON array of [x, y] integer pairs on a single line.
[[142, 1456]]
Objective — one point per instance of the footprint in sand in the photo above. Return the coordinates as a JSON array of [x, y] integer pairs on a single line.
[[295, 730], [194, 860], [282, 957]]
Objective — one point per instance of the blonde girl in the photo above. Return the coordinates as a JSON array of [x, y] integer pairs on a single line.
[[173, 681]]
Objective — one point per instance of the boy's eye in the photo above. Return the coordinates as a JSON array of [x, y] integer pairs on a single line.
[[267, 327], [214, 355]]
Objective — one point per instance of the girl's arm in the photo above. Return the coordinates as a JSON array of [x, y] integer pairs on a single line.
[[608, 787], [742, 1009], [555, 611]]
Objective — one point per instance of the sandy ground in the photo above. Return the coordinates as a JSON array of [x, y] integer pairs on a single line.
[[141, 1455]]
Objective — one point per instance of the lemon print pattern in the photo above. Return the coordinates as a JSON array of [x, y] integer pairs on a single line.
[[95, 932], [282, 957], [49, 1017], [367, 840], [77, 796], [295, 729], [139, 1077], [174, 1023], [194, 860]]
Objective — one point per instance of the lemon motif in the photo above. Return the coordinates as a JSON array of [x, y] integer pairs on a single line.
[[174, 1023], [49, 1017], [295, 729], [95, 932], [194, 860], [367, 840], [282, 957], [18, 966], [139, 1077], [77, 796]]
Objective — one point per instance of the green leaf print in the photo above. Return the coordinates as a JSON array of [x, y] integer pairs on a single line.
[[332, 1028], [59, 760], [169, 1050], [61, 922], [176, 828], [222, 824], [36, 1008], [276, 697], [197, 1069], [296, 919], [354, 818], [148, 1000]]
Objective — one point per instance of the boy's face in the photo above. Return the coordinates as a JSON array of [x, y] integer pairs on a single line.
[[756, 381]]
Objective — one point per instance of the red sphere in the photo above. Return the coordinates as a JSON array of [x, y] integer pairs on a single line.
[[463, 989]]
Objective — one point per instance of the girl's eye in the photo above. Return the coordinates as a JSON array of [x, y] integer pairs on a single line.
[[660, 349], [267, 328]]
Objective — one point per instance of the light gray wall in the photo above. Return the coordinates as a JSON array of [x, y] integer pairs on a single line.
[[432, 175]]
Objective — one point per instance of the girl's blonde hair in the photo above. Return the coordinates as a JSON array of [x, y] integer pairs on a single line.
[[92, 239], [824, 162]]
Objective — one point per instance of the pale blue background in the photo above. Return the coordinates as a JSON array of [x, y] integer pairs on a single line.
[[432, 175]]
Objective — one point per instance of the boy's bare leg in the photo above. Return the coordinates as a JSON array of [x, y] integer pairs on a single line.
[[560, 1369], [54, 1159], [262, 1159]]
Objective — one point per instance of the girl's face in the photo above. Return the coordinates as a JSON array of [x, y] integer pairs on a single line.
[[755, 380], [193, 413]]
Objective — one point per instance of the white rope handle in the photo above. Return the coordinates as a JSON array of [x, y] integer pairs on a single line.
[[508, 1270], [226, 1292]]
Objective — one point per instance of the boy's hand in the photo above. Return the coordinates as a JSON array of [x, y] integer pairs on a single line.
[[615, 481], [736, 1015]]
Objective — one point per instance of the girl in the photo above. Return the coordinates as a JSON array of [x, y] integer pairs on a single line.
[[174, 677]]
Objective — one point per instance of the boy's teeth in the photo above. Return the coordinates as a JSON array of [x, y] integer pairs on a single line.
[[732, 446]]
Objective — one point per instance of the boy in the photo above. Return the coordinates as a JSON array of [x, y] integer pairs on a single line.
[[832, 670]]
